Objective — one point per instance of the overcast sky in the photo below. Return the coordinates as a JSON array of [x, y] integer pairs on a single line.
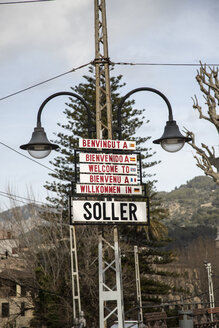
[[41, 40]]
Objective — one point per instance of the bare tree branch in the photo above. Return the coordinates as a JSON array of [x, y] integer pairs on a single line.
[[209, 85], [206, 159]]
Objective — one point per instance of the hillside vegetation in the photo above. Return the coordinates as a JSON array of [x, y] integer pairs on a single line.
[[193, 211], [193, 204]]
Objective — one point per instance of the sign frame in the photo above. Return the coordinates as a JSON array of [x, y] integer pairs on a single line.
[[107, 151], [115, 168], [118, 197], [110, 189], [96, 223], [118, 158], [104, 144], [91, 177]]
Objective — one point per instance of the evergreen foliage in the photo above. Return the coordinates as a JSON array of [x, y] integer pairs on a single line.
[[76, 127], [149, 240]]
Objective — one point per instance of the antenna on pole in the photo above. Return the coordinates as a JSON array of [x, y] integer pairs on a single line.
[[138, 286], [210, 287], [77, 312]]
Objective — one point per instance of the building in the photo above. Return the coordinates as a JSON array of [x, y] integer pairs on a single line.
[[8, 244], [16, 305]]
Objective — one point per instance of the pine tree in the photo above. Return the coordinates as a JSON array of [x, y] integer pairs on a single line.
[[76, 127]]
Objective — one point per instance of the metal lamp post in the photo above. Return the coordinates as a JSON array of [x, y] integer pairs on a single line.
[[172, 139], [39, 147]]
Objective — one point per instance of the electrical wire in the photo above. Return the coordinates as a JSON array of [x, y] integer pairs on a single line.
[[43, 82], [21, 197], [31, 159], [161, 64], [41, 205], [48, 209], [14, 198], [173, 302], [162, 305], [19, 2], [4, 194], [92, 63], [11, 198], [42, 209], [34, 287]]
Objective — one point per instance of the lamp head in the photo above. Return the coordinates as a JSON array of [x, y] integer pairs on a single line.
[[172, 139], [39, 146]]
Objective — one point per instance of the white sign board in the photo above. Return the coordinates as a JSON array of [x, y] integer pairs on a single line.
[[108, 189], [109, 179], [85, 211], [107, 158], [107, 144], [108, 168]]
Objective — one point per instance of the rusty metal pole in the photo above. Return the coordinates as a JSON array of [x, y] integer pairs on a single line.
[[110, 298], [103, 94]]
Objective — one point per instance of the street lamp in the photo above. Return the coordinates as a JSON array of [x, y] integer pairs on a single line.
[[39, 146], [172, 139]]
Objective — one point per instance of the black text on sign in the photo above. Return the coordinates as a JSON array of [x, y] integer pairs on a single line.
[[100, 211]]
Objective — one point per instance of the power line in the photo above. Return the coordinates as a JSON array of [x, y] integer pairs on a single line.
[[91, 63], [34, 85], [19, 2], [161, 64], [31, 159], [14, 198], [17, 200], [168, 303], [13, 279], [24, 201], [21, 197], [48, 168], [43, 82]]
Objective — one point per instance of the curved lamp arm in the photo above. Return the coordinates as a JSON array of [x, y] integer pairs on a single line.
[[172, 139], [65, 93], [39, 146], [138, 90]]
